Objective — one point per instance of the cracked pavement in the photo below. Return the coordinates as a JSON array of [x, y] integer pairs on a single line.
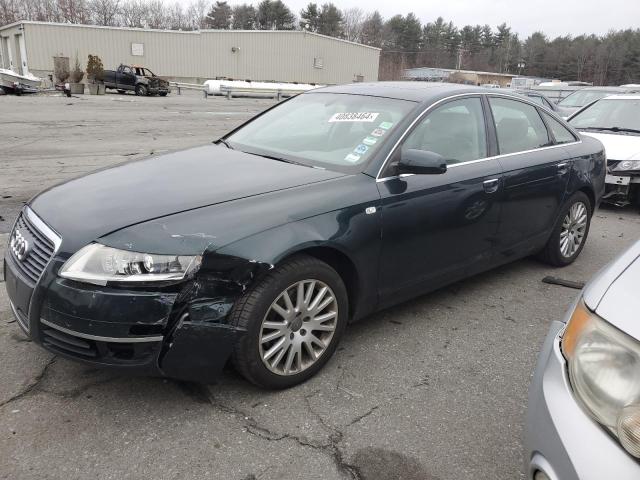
[[433, 389]]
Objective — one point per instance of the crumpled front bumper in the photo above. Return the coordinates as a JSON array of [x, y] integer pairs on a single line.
[[166, 333]]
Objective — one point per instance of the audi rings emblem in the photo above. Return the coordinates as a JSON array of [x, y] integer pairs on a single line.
[[19, 245]]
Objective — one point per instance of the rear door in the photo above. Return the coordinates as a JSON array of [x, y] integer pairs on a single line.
[[439, 228], [536, 173]]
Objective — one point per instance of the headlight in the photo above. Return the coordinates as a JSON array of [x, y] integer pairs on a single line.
[[604, 369], [626, 165], [99, 264]]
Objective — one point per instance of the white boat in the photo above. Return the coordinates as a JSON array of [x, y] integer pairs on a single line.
[[14, 81]]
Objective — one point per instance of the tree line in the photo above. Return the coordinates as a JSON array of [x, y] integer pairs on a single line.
[[405, 41]]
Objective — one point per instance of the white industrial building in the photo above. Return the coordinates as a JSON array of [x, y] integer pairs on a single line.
[[193, 56]]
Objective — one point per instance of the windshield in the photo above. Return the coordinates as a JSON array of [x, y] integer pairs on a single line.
[[608, 113], [328, 130], [585, 97]]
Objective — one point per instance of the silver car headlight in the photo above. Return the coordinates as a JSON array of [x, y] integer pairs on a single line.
[[604, 370], [99, 264], [627, 165]]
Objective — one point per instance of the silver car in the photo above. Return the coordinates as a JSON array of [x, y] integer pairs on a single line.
[[583, 420]]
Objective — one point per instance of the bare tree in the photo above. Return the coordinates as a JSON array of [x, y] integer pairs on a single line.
[[176, 17], [74, 11], [196, 14], [134, 13], [104, 12], [353, 21], [156, 15]]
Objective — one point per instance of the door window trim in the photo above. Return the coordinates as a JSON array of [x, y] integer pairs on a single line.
[[494, 157]]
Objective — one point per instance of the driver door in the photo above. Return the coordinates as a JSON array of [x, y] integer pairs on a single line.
[[438, 228]]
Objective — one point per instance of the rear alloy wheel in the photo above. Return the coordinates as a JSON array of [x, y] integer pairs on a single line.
[[141, 90], [294, 318], [571, 231]]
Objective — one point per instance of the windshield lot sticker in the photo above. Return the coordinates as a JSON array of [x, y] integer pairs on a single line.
[[354, 117], [361, 149], [386, 125], [370, 141], [378, 132], [352, 158]]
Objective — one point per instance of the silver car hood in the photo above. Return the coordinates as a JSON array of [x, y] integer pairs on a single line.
[[613, 293]]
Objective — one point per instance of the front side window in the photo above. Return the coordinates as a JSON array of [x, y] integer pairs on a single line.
[[560, 132], [454, 130], [518, 126], [327, 130]]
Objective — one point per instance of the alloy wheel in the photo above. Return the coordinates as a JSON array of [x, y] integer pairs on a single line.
[[573, 229], [298, 327]]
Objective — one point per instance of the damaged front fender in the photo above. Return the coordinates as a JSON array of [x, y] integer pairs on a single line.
[[201, 339]]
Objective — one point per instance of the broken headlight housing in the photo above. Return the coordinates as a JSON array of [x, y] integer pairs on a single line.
[[99, 264], [626, 166], [604, 370]]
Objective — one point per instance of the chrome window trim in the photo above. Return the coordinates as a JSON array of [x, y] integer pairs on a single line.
[[430, 107], [156, 338], [44, 229]]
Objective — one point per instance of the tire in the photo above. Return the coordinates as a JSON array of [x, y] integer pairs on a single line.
[[141, 90], [553, 253], [255, 310], [163, 94]]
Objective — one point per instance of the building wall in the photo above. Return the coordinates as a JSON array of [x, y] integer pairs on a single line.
[[256, 55], [10, 55]]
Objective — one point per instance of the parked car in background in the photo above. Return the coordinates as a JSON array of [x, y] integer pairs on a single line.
[[135, 78], [583, 420], [615, 121], [578, 99], [319, 211], [535, 97]]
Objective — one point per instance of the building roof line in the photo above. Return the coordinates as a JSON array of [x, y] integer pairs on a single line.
[[184, 32]]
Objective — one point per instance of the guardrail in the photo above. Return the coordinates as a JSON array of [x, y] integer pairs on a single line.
[[179, 86]]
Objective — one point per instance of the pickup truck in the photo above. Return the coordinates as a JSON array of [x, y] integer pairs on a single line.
[[139, 79]]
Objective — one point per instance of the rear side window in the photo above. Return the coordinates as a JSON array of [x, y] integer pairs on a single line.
[[454, 130], [518, 125], [560, 132]]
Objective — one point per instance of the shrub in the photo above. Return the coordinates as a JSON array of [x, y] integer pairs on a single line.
[[76, 74], [95, 70]]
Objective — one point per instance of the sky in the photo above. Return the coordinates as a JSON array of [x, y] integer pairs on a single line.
[[555, 18]]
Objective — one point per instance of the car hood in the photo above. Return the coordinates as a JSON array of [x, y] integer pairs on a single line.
[[612, 292], [618, 146], [88, 207]]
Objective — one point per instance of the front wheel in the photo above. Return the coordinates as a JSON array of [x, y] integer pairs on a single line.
[[294, 318], [141, 90], [570, 233]]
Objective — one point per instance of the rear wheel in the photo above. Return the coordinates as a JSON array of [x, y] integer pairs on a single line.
[[294, 319], [570, 233], [141, 90]]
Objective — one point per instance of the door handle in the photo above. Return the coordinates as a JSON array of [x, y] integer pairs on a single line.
[[491, 186], [563, 168]]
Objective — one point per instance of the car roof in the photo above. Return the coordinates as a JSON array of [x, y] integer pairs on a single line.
[[612, 89], [629, 96], [407, 90]]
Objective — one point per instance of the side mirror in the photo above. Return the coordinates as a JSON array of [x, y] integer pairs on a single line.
[[421, 162]]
